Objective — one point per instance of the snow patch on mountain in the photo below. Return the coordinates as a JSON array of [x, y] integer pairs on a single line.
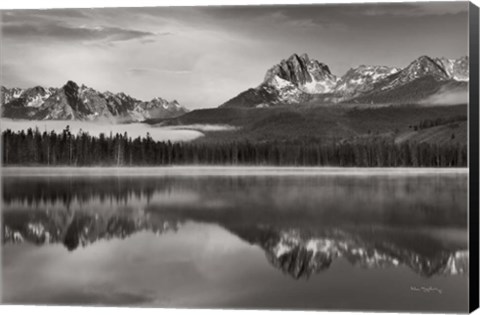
[[300, 79], [285, 91], [362, 79], [318, 87], [456, 69], [308, 75], [73, 102], [280, 83], [421, 67]]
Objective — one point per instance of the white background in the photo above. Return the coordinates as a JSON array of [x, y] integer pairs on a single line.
[[28, 4]]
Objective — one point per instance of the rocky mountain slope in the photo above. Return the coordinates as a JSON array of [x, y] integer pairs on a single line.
[[300, 79], [308, 75], [362, 79], [73, 102]]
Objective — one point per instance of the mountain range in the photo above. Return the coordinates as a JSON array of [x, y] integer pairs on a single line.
[[73, 102], [300, 79]]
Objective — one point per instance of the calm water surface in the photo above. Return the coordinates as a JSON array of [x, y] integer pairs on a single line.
[[260, 238]]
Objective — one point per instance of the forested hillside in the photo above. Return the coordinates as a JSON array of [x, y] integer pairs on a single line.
[[35, 148]]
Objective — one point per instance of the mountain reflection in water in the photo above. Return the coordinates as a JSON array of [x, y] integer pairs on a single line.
[[303, 224]]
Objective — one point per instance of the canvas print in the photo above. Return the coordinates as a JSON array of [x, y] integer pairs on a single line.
[[298, 157]]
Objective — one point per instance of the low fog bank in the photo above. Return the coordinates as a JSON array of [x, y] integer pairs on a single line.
[[444, 97], [203, 127], [95, 129]]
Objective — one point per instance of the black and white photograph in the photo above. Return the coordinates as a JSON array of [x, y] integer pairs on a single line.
[[266, 157]]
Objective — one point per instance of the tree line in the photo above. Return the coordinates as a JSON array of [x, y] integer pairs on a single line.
[[428, 123], [32, 147]]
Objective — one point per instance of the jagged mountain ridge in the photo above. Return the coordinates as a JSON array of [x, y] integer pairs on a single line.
[[308, 75], [456, 68], [73, 102], [300, 79], [362, 79]]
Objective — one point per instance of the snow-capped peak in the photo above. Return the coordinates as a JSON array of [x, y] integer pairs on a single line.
[[309, 75], [456, 69], [279, 83], [80, 102], [362, 79]]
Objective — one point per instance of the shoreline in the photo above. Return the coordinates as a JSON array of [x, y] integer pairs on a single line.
[[225, 170]]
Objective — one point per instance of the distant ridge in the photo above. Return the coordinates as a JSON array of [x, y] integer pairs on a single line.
[[74, 102], [301, 79]]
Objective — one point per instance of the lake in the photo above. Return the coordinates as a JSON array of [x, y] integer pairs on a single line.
[[233, 237]]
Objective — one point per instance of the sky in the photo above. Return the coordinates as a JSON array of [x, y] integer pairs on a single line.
[[203, 56]]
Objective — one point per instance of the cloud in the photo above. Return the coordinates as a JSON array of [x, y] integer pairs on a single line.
[[11, 16], [98, 297], [62, 32], [146, 71], [413, 9], [338, 15], [448, 96], [12, 78]]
